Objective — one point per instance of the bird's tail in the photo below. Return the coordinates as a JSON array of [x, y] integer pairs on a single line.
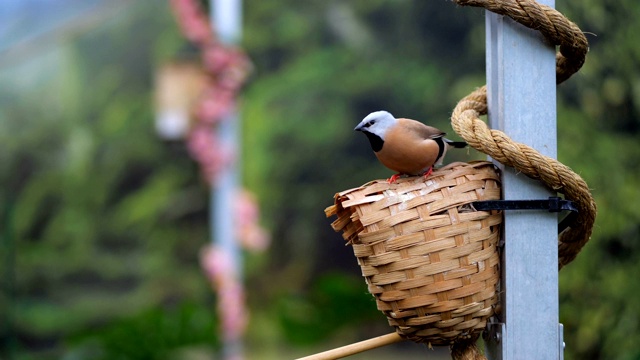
[[456, 144]]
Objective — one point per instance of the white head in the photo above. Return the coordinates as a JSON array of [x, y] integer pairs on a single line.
[[376, 123]]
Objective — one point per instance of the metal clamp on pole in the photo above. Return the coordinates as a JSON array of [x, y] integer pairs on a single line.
[[553, 204]]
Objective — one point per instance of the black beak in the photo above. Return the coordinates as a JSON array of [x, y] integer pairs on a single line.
[[359, 127]]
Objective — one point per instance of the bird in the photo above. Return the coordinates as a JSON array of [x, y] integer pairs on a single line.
[[405, 146]]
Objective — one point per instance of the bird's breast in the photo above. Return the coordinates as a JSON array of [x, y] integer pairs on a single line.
[[406, 152]]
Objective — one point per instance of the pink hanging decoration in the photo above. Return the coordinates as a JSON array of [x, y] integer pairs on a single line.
[[228, 68], [219, 270], [214, 105], [193, 22], [208, 151], [250, 234]]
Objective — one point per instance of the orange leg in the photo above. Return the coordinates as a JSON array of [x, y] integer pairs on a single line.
[[393, 178], [428, 172]]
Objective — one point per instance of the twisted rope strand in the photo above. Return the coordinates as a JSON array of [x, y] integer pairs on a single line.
[[554, 26], [466, 123]]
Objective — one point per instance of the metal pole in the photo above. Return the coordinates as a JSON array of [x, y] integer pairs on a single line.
[[522, 103], [226, 17]]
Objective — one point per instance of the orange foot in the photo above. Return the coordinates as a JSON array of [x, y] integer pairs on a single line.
[[393, 178], [428, 172]]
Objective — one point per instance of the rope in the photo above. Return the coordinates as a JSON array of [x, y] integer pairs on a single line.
[[465, 120], [554, 26], [466, 350], [573, 48]]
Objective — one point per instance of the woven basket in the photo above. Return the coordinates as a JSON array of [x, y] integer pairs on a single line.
[[429, 258]]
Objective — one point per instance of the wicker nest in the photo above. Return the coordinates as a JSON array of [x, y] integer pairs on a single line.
[[428, 257]]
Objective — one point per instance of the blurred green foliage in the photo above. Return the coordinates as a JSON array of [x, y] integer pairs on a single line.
[[155, 333], [322, 311], [101, 222]]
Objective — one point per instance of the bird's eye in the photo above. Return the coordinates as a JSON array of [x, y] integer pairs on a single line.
[[371, 123]]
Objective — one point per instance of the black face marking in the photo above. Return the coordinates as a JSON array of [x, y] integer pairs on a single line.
[[441, 145], [375, 141]]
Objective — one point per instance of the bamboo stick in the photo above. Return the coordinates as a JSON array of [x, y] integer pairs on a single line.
[[355, 348]]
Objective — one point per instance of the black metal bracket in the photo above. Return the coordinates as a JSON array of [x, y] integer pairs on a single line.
[[553, 204]]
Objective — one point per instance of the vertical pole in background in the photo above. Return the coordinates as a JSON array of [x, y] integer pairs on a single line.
[[226, 15], [522, 103]]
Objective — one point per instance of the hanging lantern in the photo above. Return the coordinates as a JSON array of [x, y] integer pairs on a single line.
[[179, 86]]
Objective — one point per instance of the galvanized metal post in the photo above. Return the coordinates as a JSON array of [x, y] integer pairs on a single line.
[[226, 15], [522, 103]]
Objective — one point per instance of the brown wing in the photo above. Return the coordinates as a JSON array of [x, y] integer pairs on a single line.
[[420, 129], [409, 147]]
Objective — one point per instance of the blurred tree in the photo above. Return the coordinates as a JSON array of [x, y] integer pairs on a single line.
[[106, 219], [599, 133], [187, 331]]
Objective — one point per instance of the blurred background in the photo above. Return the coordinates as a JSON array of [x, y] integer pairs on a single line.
[[102, 221]]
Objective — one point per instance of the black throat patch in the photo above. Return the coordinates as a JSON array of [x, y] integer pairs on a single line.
[[375, 140], [441, 146]]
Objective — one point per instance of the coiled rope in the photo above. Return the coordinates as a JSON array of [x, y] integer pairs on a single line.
[[573, 48]]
